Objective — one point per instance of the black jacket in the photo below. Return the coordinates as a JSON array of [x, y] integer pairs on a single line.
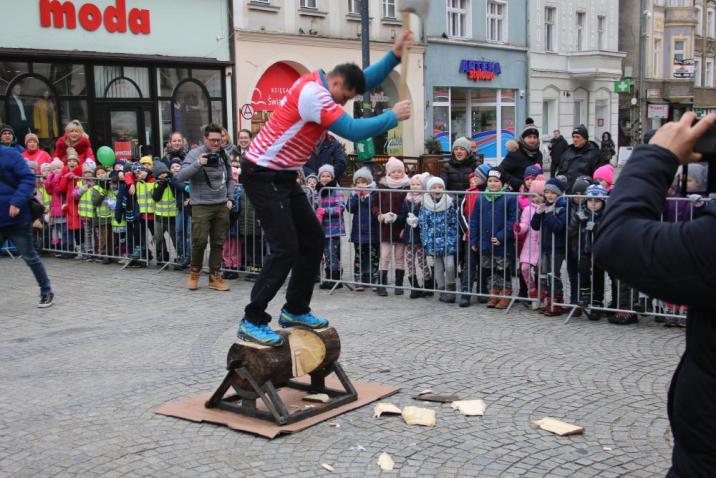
[[675, 263], [514, 165], [579, 162], [556, 149], [456, 173], [329, 151]]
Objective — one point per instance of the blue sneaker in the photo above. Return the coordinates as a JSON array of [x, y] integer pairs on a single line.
[[260, 334], [309, 320]]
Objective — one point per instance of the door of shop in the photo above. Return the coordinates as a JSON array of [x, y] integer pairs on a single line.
[[126, 128]]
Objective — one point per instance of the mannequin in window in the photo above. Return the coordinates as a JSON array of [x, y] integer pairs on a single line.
[[44, 118], [18, 114], [193, 122]]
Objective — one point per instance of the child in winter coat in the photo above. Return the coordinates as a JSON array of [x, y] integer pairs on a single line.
[[414, 250], [551, 219], [605, 176], [491, 235], [331, 206], [439, 235], [584, 225], [364, 228], [310, 189], [103, 202], [83, 192], [524, 200], [478, 183], [530, 252], [386, 210], [164, 195], [71, 179], [232, 243]]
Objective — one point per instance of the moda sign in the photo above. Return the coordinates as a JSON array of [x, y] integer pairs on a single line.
[[114, 18]]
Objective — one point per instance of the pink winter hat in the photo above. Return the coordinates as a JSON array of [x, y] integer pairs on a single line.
[[605, 173], [394, 164], [537, 187]]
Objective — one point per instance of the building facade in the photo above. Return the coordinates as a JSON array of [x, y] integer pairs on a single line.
[[121, 67], [277, 41], [704, 57], [476, 73], [574, 59]]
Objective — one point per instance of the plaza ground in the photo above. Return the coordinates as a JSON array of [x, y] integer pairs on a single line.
[[79, 381]]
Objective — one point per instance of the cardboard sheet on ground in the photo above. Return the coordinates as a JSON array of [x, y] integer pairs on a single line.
[[559, 427], [193, 409]]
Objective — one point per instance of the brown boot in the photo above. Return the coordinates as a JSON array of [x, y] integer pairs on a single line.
[[216, 282], [504, 302], [194, 274], [494, 300]]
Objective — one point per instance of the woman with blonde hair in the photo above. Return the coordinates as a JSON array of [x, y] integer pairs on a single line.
[[75, 137]]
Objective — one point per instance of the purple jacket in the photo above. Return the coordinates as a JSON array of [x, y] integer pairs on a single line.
[[332, 202]]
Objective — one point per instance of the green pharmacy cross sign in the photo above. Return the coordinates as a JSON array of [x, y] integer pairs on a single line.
[[622, 86]]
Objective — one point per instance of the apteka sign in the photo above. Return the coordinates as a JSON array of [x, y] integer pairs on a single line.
[[115, 18], [480, 70]]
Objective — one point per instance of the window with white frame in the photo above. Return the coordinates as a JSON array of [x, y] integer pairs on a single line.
[[656, 58], [458, 18], [710, 14], [709, 73], [497, 21], [581, 35], [601, 32], [388, 8], [699, 23], [679, 50], [550, 29], [549, 115], [697, 72], [354, 7], [308, 4]]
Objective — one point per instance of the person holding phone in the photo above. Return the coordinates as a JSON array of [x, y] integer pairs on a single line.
[[208, 170], [675, 263]]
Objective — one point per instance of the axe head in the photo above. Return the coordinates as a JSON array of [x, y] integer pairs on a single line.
[[418, 7]]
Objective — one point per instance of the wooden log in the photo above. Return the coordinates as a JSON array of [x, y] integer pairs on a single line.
[[303, 352]]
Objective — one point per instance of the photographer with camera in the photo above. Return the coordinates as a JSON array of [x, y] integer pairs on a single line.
[[675, 263], [208, 170]]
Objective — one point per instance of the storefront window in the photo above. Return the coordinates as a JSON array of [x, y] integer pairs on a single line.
[[165, 118], [169, 78], [71, 110], [211, 79], [32, 108], [191, 111], [441, 95], [67, 79], [121, 82], [484, 130], [441, 126], [9, 71]]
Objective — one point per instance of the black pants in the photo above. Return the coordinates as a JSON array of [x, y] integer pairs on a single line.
[[588, 271], [295, 237]]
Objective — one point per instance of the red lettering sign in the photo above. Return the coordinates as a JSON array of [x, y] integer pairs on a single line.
[[63, 14]]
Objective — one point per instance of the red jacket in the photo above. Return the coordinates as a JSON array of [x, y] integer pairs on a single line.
[[39, 156], [468, 204], [68, 183], [83, 148]]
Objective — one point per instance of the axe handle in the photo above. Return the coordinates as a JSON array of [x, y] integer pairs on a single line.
[[404, 61]]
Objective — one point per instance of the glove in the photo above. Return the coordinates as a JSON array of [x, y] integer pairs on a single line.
[[389, 217], [320, 212], [581, 215], [412, 220], [696, 199], [516, 228], [590, 226]]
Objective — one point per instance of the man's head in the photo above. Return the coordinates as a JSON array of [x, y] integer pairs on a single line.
[[580, 135], [212, 137], [176, 142], [7, 134], [345, 82], [556, 134]]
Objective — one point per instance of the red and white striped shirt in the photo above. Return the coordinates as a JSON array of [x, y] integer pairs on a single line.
[[295, 129]]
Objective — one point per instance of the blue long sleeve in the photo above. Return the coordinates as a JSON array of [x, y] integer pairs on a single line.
[[356, 129], [377, 72]]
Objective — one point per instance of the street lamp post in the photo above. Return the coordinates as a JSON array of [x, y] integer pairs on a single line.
[[365, 47]]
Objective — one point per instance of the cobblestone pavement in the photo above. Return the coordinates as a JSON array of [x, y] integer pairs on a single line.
[[79, 380]]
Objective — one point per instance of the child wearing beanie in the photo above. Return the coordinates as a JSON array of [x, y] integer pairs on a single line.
[[478, 183], [531, 251], [331, 205], [438, 234], [414, 250], [364, 228], [491, 225], [386, 210], [605, 176], [551, 220]]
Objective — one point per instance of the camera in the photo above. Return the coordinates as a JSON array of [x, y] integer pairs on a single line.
[[701, 176], [212, 159]]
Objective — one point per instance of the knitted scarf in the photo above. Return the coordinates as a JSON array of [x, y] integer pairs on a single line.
[[396, 184], [530, 151], [436, 206], [490, 196]]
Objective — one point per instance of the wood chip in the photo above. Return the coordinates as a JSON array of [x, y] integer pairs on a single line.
[[420, 416], [318, 397], [431, 397], [328, 467], [559, 427], [334, 425], [385, 462], [469, 408], [384, 407], [425, 392]]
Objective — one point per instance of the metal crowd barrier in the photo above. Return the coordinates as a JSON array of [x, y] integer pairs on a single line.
[[375, 240]]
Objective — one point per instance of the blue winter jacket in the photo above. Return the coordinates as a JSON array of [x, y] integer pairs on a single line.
[[235, 218], [333, 203], [329, 151], [15, 171], [553, 226], [438, 230], [494, 215], [364, 226], [411, 235]]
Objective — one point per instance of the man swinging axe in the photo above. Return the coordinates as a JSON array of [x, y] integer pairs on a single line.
[[269, 170]]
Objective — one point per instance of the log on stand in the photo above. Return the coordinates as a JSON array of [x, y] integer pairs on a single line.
[[257, 372]]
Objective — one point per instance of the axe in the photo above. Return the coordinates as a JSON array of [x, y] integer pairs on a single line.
[[419, 8]]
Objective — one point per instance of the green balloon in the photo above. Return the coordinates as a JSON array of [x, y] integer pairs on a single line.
[[105, 155]]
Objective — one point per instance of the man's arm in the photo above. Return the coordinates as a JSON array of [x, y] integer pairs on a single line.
[[356, 129], [376, 73], [189, 167]]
